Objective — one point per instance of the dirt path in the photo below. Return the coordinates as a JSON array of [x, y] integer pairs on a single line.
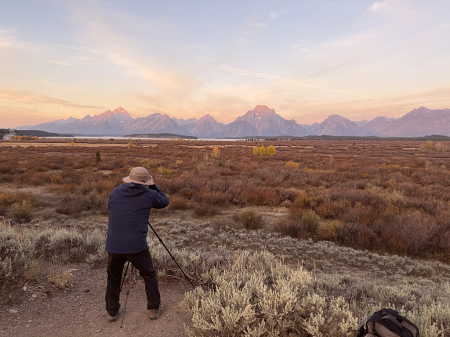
[[48, 311]]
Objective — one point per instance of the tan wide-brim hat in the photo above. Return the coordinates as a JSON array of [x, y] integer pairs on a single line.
[[139, 175]]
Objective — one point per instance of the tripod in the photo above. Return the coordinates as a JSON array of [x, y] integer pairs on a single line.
[[132, 267]]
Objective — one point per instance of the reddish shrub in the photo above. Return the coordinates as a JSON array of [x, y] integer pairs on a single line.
[[178, 203], [205, 209], [416, 229], [291, 226], [357, 235], [326, 210], [217, 198], [75, 204], [263, 196]]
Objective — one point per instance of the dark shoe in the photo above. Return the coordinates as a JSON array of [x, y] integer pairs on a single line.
[[113, 318], [155, 313]]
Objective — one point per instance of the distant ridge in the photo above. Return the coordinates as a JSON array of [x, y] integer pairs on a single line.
[[38, 133], [31, 133], [160, 135], [261, 121]]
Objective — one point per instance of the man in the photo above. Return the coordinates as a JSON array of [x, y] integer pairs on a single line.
[[129, 209]]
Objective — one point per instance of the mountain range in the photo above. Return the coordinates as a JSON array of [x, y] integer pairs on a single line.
[[261, 121]]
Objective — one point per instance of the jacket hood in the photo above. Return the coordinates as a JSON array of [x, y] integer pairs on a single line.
[[132, 189]]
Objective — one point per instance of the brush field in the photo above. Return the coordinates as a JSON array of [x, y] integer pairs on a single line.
[[308, 241]]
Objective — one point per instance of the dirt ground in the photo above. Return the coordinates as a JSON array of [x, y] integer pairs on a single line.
[[79, 311]]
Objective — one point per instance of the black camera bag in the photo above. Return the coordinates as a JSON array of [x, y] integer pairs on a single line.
[[388, 323]]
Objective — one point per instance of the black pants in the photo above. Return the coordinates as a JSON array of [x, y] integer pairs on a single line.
[[143, 262]]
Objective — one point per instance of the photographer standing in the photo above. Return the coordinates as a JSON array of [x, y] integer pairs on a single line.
[[129, 209]]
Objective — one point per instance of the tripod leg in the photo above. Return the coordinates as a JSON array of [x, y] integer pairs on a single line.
[[128, 292], [168, 251], [124, 275]]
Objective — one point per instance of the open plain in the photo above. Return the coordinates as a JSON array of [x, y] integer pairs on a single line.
[[362, 223]]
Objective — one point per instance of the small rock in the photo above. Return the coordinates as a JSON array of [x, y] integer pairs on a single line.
[[13, 311], [34, 295], [82, 315], [99, 331], [87, 290]]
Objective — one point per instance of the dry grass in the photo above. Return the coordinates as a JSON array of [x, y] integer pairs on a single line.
[[62, 279], [33, 271]]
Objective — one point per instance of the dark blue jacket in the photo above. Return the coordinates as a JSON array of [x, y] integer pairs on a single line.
[[129, 208]]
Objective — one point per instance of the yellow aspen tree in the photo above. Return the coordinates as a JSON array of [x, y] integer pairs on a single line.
[[129, 146], [262, 150], [255, 150], [216, 151], [271, 150]]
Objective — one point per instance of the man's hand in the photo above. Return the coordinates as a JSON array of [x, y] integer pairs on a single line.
[[151, 186]]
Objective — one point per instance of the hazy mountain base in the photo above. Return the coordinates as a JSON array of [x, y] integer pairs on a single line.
[[246, 289], [261, 121]]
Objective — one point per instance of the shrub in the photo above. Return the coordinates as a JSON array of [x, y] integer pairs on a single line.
[[263, 297], [163, 171], [250, 219], [263, 196], [22, 211], [75, 204], [416, 229], [19, 248], [62, 279], [439, 147], [329, 230], [427, 146], [216, 152], [357, 235], [256, 150], [178, 203], [218, 198], [292, 164], [10, 198], [271, 150], [15, 258], [56, 179], [292, 226], [205, 209], [326, 210], [179, 162], [148, 163], [262, 150], [303, 199], [311, 221], [301, 202]]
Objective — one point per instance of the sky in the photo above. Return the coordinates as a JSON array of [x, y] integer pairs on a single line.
[[306, 59]]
